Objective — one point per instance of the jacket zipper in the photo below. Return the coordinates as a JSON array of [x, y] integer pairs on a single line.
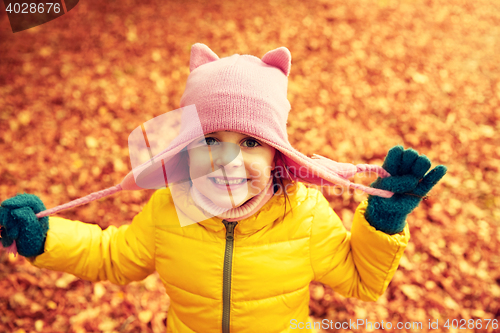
[[226, 277]]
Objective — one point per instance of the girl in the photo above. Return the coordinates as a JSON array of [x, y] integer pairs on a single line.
[[246, 265]]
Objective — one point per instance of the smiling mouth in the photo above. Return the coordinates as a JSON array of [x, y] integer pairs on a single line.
[[219, 181]]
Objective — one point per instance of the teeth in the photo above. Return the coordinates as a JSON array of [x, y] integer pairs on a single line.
[[230, 182]]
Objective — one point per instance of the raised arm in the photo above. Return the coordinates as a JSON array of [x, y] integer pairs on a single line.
[[363, 263], [120, 255], [360, 263]]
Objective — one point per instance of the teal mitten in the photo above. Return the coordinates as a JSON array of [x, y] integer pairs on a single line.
[[409, 183], [20, 224]]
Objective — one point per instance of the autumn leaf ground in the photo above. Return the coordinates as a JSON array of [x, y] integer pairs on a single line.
[[366, 75]]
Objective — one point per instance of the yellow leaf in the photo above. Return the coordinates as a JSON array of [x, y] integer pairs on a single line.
[[145, 316], [107, 325], [39, 325], [51, 305], [411, 291], [65, 280], [91, 142], [99, 290]]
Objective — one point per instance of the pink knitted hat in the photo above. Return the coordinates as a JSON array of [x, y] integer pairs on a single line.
[[245, 94]]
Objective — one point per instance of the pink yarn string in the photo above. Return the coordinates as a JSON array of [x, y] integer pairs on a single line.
[[372, 190], [372, 168], [81, 201], [346, 170]]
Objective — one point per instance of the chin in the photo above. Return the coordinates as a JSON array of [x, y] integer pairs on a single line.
[[226, 202]]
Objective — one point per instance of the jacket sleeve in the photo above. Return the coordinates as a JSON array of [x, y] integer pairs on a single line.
[[120, 255], [360, 263]]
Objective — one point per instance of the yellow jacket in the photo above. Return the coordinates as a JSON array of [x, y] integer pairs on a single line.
[[259, 282]]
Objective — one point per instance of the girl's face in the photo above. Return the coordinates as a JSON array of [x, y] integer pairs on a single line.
[[235, 156]]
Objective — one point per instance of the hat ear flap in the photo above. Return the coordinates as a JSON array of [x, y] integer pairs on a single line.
[[280, 58], [200, 55]]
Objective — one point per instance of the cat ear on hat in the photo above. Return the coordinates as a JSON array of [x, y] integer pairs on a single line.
[[200, 55], [280, 58]]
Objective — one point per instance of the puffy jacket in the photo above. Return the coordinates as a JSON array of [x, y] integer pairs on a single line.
[[251, 276]]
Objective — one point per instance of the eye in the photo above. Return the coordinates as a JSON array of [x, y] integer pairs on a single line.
[[208, 140], [253, 143]]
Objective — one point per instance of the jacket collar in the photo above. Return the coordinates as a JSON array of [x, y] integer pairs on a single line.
[[271, 211]]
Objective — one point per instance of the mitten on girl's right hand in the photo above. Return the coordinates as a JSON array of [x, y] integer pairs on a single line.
[[20, 224]]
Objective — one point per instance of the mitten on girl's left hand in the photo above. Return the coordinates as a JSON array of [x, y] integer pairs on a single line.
[[409, 183]]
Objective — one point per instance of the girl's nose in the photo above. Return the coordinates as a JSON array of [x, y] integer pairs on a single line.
[[229, 155]]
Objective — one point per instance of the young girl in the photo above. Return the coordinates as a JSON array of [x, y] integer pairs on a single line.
[[232, 254]]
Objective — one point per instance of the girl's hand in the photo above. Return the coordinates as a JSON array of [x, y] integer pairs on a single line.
[[409, 183], [19, 224]]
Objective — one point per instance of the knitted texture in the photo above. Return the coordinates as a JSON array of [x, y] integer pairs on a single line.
[[20, 227], [409, 183], [240, 92]]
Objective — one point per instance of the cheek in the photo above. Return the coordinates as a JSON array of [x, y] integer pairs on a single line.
[[197, 165], [261, 168]]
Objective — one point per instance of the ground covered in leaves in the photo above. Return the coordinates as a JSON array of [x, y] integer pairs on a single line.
[[366, 75]]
